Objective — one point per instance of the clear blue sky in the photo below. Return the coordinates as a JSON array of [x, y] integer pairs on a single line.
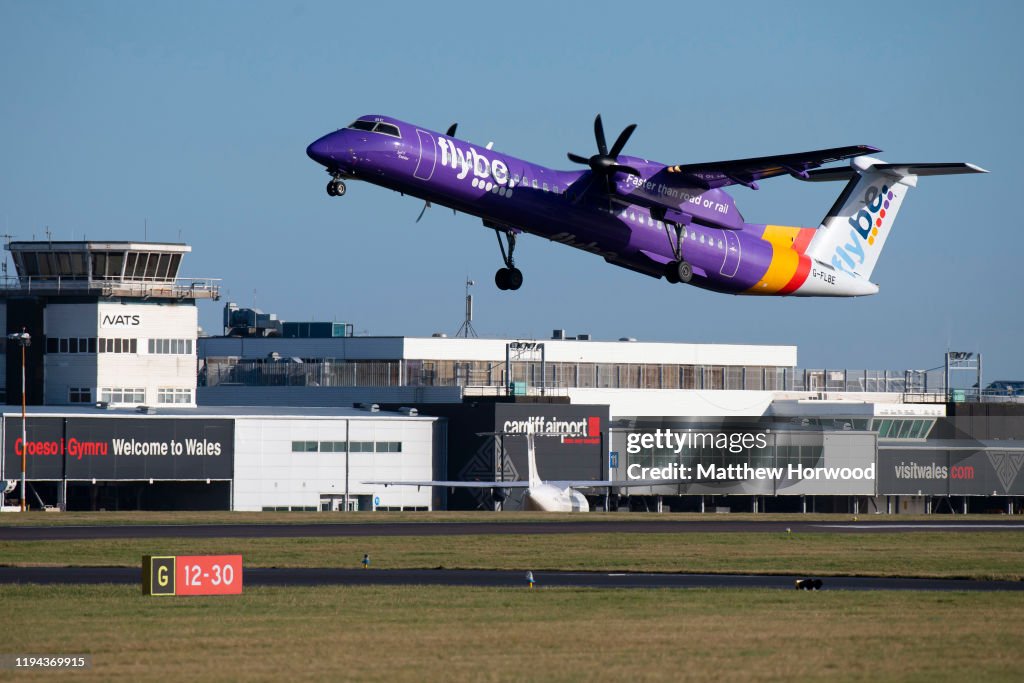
[[194, 118]]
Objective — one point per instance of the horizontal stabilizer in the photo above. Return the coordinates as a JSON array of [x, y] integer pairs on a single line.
[[929, 169], [854, 231]]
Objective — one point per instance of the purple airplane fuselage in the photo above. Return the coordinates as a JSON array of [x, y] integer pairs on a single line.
[[649, 219]]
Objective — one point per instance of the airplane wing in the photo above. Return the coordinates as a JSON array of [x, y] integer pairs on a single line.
[[748, 171], [457, 484], [620, 483]]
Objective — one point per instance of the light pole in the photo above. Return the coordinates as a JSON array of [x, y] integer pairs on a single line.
[[24, 340]]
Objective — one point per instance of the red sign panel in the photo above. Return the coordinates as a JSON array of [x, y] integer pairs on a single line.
[[208, 575]]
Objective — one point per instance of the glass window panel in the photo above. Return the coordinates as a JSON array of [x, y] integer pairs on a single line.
[[31, 264], [160, 267], [152, 263], [134, 348], [172, 270], [51, 345], [130, 265], [77, 264], [45, 265]]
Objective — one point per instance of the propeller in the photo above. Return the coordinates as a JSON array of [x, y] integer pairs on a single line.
[[606, 162]]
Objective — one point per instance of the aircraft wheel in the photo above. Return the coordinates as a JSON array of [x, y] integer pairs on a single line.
[[339, 188], [515, 279], [671, 274], [684, 271], [330, 189], [501, 279]]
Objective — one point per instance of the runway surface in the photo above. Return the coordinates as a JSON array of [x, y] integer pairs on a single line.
[[472, 577], [51, 533]]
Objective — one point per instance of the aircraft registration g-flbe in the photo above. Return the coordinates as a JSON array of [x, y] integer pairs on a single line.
[[671, 221]]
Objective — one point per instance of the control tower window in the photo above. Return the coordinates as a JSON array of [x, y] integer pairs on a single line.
[[107, 265]]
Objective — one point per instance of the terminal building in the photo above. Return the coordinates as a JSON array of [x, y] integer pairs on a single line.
[[127, 400]]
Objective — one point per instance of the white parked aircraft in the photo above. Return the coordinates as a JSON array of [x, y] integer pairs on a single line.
[[545, 496]]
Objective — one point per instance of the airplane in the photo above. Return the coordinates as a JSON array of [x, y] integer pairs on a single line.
[[671, 221], [543, 496]]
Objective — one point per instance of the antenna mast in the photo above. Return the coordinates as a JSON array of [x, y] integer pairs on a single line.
[[466, 329]]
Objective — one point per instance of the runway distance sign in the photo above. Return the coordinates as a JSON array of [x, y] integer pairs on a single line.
[[192, 575]]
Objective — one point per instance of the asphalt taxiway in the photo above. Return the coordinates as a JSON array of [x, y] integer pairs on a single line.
[[330, 576], [82, 532]]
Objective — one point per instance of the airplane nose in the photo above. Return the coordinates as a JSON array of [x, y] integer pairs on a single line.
[[320, 151]]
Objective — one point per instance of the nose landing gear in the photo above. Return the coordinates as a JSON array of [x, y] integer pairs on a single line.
[[336, 188]]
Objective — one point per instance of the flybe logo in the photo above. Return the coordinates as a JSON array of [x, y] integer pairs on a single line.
[[864, 227], [490, 176]]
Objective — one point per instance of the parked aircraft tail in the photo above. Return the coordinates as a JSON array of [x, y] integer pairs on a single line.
[[531, 458], [853, 233]]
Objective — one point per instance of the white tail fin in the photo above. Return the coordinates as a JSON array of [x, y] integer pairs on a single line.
[[531, 459], [853, 233]]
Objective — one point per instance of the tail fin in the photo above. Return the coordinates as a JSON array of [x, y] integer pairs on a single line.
[[853, 233], [531, 458]]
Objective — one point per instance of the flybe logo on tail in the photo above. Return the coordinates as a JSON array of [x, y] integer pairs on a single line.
[[864, 225]]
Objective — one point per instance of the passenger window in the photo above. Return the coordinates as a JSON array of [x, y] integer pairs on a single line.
[[534, 183], [720, 246], [545, 186]]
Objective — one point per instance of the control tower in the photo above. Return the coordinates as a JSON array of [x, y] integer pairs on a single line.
[[109, 322]]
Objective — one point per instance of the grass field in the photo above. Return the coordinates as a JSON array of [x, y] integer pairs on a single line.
[[439, 633], [988, 555], [448, 633]]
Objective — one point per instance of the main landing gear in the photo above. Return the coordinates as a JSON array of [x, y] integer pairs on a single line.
[[509, 277], [677, 270]]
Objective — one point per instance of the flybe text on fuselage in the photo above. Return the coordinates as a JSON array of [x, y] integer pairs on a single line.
[[463, 162]]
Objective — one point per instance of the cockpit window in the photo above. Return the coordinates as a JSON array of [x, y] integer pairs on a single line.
[[362, 125], [387, 129], [377, 127]]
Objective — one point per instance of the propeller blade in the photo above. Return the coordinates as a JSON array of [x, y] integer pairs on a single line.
[[622, 139], [578, 159], [451, 130], [602, 146]]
